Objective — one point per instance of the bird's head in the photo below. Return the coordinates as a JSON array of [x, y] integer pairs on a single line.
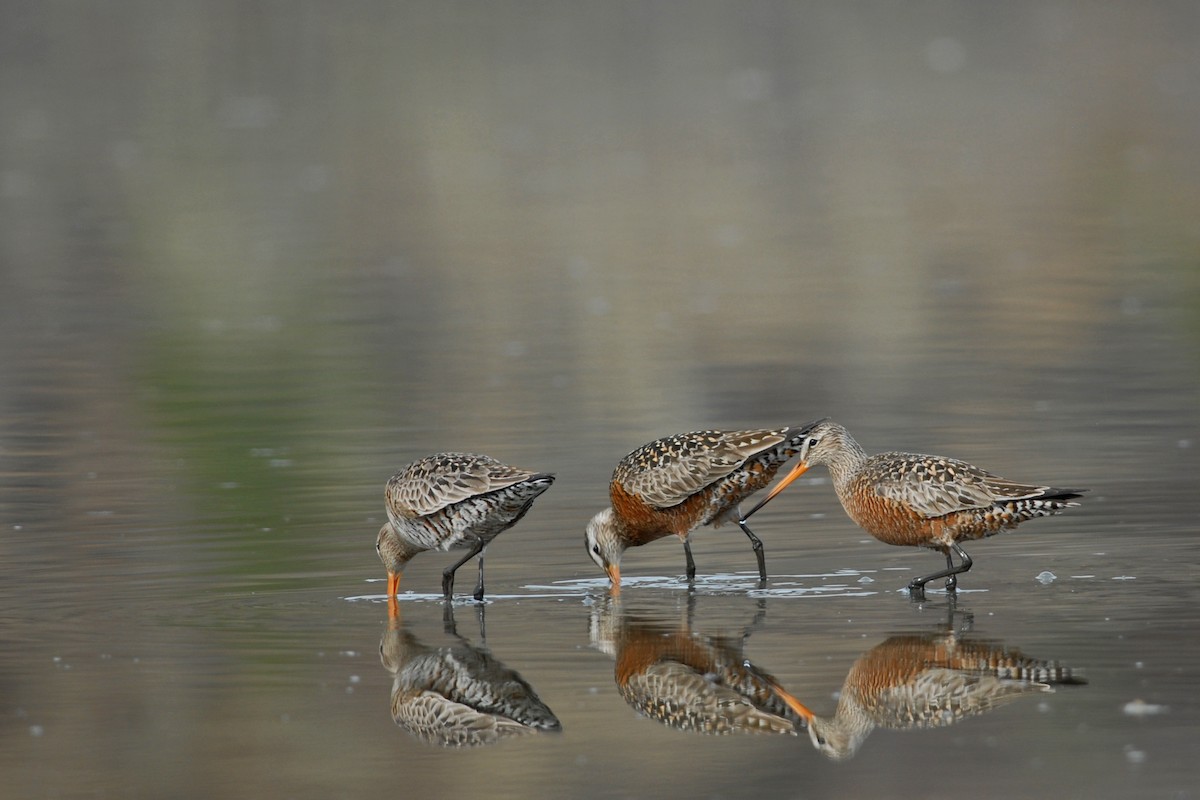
[[821, 442], [604, 545]]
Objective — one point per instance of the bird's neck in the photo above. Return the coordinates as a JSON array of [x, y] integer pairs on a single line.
[[399, 549], [846, 462]]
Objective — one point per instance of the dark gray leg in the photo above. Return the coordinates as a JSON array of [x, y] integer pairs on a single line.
[[448, 574], [917, 586], [691, 564], [757, 544], [479, 583]]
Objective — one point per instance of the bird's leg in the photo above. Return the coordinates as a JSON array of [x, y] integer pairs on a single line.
[[917, 585], [448, 624], [448, 574], [479, 584], [964, 564], [757, 544], [691, 563], [479, 611]]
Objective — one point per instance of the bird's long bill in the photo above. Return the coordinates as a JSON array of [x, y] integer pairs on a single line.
[[801, 710], [614, 575], [796, 472], [393, 584]]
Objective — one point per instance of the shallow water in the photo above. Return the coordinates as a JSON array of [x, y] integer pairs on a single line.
[[255, 261]]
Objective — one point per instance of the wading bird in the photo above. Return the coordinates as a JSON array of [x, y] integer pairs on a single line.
[[676, 484], [919, 500], [452, 501]]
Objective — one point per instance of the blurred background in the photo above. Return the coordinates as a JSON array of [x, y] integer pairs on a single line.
[[254, 257]]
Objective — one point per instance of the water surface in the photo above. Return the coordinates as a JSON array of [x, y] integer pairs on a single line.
[[256, 260]]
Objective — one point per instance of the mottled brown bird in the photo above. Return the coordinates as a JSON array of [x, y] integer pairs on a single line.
[[458, 695], [452, 501], [920, 500], [676, 484], [926, 681], [689, 680]]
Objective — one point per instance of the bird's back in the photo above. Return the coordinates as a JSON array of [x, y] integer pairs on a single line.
[[698, 476], [443, 500], [911, 498]]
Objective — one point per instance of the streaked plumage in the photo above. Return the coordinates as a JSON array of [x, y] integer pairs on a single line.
[[452, 501], [927, 681], [688, 680], [676, 484], [458, 695], [922, 500]]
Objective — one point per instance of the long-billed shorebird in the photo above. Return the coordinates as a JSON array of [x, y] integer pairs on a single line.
[[676, 484], [920, 500], [687, 679], [924, 680], [458, 695], [452, 501]]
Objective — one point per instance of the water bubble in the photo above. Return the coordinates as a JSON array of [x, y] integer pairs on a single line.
[[1045, 576], [1140, 708]]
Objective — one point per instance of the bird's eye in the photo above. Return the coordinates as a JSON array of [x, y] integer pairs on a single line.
[[596, 549], [813, 442]]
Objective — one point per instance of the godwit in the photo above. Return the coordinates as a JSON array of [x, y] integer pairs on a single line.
[[689, 680], [676, 484], [458, 695], [926, 681], [452, 501], [919, 500]]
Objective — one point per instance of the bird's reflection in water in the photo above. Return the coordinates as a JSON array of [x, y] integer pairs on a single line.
[[928, 680], [687, 679], [457, 695]]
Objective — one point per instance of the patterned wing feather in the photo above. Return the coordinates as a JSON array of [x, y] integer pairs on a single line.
[[941, 696], [934, 486], [439, 720], [435, 482], [668, 471], [680, 697]]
